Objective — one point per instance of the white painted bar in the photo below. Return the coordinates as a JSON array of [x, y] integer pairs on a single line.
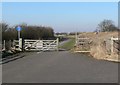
[[83, 38], [37, 44], [112, 41], [41, 44], [114, 38]]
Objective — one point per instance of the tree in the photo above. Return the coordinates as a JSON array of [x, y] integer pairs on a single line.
[[27, 32], [107, 25], [4, 27]]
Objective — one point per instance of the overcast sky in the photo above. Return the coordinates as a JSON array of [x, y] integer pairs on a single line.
[[61, 16]]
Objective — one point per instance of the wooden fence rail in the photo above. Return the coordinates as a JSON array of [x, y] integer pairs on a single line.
[[82, 44], [113, 45]]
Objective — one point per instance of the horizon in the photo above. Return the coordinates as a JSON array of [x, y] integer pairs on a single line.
[[61, 16]]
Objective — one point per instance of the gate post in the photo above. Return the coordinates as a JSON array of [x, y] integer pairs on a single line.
[[4, 45], [111, 44], [57, 44], [76, 38], [20, 44]]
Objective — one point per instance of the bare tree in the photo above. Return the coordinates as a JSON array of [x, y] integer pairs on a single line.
[[107, 25], [4, 27]]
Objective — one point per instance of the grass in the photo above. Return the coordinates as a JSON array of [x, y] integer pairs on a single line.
[[69, 45], [5, 54]]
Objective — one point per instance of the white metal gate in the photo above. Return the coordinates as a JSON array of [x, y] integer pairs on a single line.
[[41, 45]]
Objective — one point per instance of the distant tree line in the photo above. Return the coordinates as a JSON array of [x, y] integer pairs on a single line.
[[27, 32], [65, 33], [61, 33], [42, 32]]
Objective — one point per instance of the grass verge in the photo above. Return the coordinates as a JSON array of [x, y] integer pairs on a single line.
[[68, 45]]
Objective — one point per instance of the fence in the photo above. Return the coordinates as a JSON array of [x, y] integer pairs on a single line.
[[7, 45], [18, 44], [82, 43], [113, 45]]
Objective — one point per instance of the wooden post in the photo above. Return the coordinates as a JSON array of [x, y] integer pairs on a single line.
[[76, 39], [10, 44], [57, 44], [111, 44], [20, 44], [4, 45]]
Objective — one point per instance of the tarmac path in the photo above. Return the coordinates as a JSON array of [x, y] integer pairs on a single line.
[[59, 67]]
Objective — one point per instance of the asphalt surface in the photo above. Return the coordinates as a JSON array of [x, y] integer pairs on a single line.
[[59, 67]]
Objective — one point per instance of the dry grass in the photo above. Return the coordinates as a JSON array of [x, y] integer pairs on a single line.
[[98, 49]]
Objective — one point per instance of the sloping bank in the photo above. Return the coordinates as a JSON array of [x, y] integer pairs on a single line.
[[99, 52], [98, 49]]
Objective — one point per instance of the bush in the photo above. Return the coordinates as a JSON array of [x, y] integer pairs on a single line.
[[27, 32]]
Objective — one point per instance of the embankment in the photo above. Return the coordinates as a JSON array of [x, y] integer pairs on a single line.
[[98, 48]]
